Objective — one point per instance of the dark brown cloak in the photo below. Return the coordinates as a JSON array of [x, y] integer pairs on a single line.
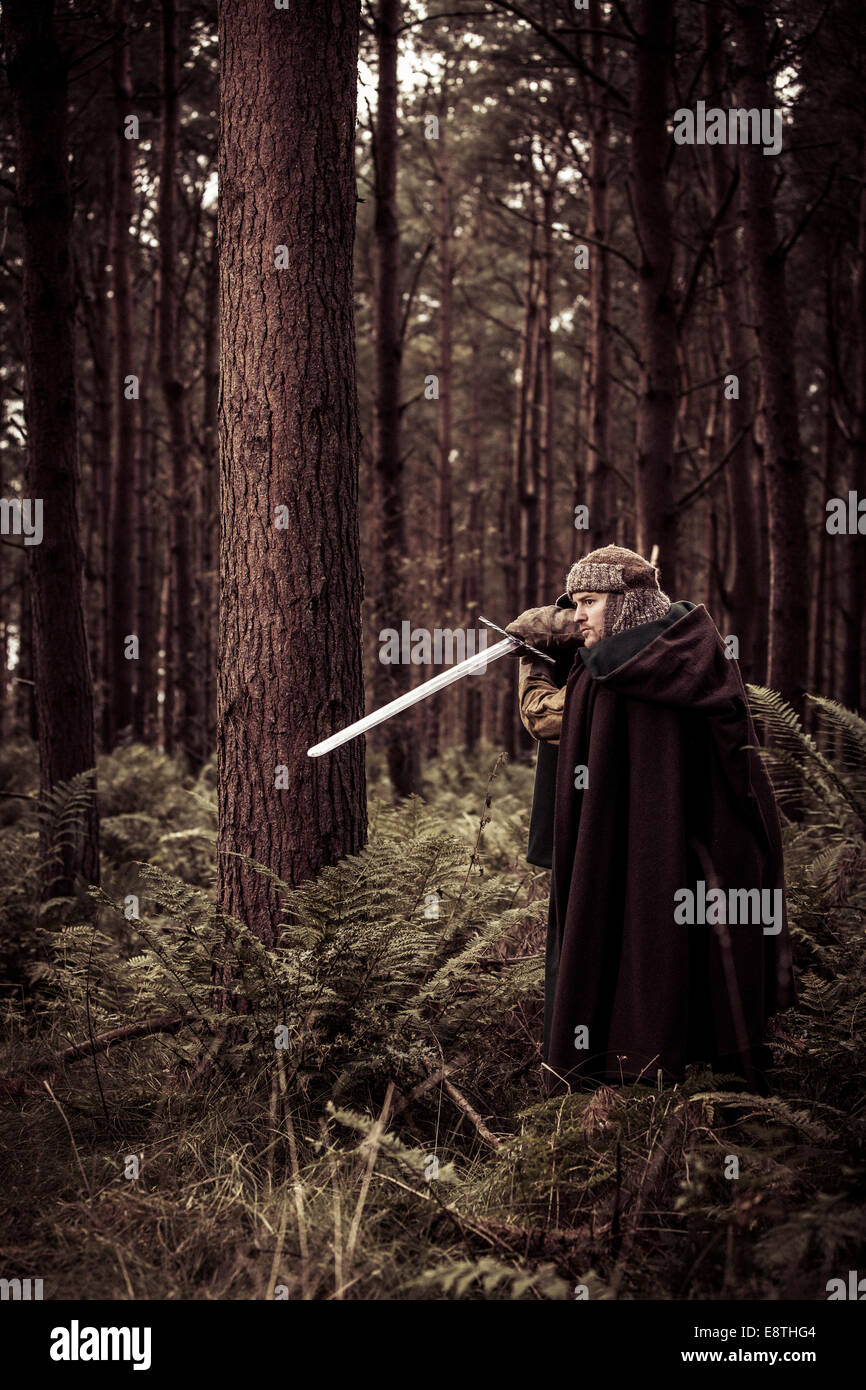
[[659, 716]]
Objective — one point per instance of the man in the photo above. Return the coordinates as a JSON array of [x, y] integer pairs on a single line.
[[667, 935]]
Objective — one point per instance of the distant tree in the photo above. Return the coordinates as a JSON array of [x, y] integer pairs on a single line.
[[783, 462], [390, 602], [37, 63]]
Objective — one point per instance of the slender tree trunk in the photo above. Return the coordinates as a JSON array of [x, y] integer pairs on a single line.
[[122, 527], [549, 577], [783, 464], [390, 606], [656, 418], [508, 715], [745, 619], [36, 70], [523, 501], [472, 597], [25, 685], [183, 726], [856, 551], [209, 497], [819, 624], [291, 586], [92, 284], [445, 521], [600, 480], [148, 571], [531, 498]]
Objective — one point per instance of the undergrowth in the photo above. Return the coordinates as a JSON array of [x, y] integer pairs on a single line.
[[372, 1123]]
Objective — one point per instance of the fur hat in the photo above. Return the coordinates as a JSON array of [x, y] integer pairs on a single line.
[[630, 581]]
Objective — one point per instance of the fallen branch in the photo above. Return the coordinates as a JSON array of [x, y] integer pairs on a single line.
[[427, 1084], [168, 1023], [473, 1114]]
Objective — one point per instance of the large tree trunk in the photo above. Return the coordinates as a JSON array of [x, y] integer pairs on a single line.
[[390, 606], [122, 529], [290, 601], [657, 402], [783, 464], [183, 679], [36, 69]]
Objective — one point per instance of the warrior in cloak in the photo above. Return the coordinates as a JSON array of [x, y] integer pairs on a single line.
[[667, 936]]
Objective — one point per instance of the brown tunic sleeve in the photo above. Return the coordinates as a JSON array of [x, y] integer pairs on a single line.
[[541, 700]]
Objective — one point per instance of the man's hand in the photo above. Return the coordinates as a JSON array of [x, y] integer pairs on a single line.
[[549, 629]]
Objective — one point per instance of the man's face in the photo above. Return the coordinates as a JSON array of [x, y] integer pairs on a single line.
[[589, 617]]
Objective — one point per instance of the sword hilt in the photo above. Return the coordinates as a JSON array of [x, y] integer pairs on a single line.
[[519, 641]]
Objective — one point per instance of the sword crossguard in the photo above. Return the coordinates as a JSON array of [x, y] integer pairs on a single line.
[[519, 641]]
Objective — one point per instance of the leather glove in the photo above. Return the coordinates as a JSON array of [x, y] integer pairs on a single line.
[[549, 629]]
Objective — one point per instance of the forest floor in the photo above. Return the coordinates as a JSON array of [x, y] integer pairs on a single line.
[[373, 1124]]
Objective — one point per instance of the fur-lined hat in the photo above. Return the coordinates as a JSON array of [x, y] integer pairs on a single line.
[[631, 582]]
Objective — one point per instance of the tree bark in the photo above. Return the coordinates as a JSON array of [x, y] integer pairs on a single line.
[[290, 598], [183, 679], [656, 417], [472, 596], [148, 567], [600, 481], [437, 710], [783, 463], [742, 477], [37, 72], [209, 500], [856, 577], [122, 527], [391, 599], [549, 575]]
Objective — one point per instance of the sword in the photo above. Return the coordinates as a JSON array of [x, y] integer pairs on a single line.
[[478, 662]]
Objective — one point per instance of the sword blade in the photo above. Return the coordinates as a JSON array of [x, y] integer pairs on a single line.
[[453, 673]]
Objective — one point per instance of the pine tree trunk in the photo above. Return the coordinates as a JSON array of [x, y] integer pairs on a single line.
[[742, 478], [439, 709], [472, 596], [657, 403], [183, 724], [549, 575], [519, 596], [856, 579], [25, 686], [209, 501], [783, 463], [95, 465], [36, 70], [148, 571], [290, 595], [122, 527], [600, 482], [391, 601]]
